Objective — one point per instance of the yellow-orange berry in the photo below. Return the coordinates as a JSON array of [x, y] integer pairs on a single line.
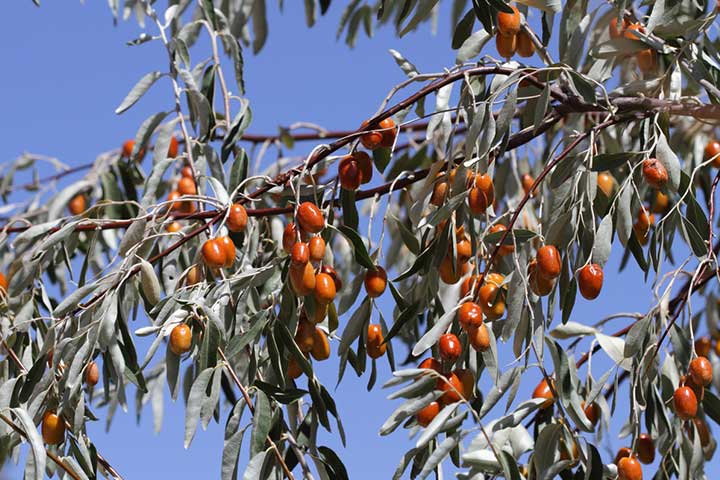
[[375, 282], [180, 339], [53, 428], [237, 218]]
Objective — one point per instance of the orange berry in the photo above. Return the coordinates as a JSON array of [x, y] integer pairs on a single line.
[[470, 315], [334, 275], [127, 148], [548, 262], [641, 228], [703, 431], [629, 469], [53, 428], [439, 194], [321, 346], [372, 139], [92, 374], [375, 346], [645, 449], [482, 195], [180, 339], [426, 415], [289, 237], [194, 275], [701, 371], [299, 255], [213, 253], [431, 364], [491, 301], [317, 249], [173, 148], [388, 132], [3, 282], [508, 24], [186, 186], [324, 288], [310, 218], [365, 164], [349, 173], [525, 46], [293, 368], [77, 204], [629, 32], [702, 346], [172, 199], [685, 403], [187, 171], [592, 412], [303, 279], [606, 182], [449, 347], [646, 60], [479, 337], [174, 227], [660, 203], [654, 172], [543, 391], [305, 336], [712, 151], [375, 282], [453, 388], [228, 247], [503, 249], [540, 285], [237, 218], [463, 249], [527, 182], [470, 284], [467, 379], [506, 45], [590, 280], [616, 32]]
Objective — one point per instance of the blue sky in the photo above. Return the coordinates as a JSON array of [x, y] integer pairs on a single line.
[[66, 68]]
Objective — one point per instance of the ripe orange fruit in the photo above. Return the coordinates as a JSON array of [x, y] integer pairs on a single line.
[[660, 203], [450, 274], [293, 368], [470, 315], [701, 371], [685, 403], [527, 181], [629, 469], [303, 279], [697, 389], [606, 182], [3, 282], [506, 45], [299, 255], [654, 172], [375, 282], [180, 339], [622, 453], [194, 275], [389, 132], [349, 173], [174, 227], [470, 284], [540, 285], [172, 200], [305, 336], [237, 218], [324, 288], [629, 32], [77, 204], [503, 249], [590, 280], [372, 139], [482, 195], [463, 249], [525, 46], [365, 164], [92, 374], [641, 228], [375, 346], [128, 148], [479, 337], [53, 428], [492, 301], [321, 346], [645, 449], [186, 171], [334, 275], [548, 262], [449, 347], [289, 237], [310, 218], [440, 190], [508, 24], [616, 32], [592, 412], [646, 60], [431, 364], [467, 379], [186, 186], [228, 247], [453, 388], [173, 148], [543, 391], [319, 314], [703, 431], [712, 151], [317, 249], [213, 253], [426, 415], [702, 346]]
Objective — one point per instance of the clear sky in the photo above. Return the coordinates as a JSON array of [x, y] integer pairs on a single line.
[[66, 68]]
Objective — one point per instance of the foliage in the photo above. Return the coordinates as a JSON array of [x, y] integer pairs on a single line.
[[450, 174]]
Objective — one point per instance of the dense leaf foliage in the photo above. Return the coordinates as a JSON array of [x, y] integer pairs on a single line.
[[479, 202]]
